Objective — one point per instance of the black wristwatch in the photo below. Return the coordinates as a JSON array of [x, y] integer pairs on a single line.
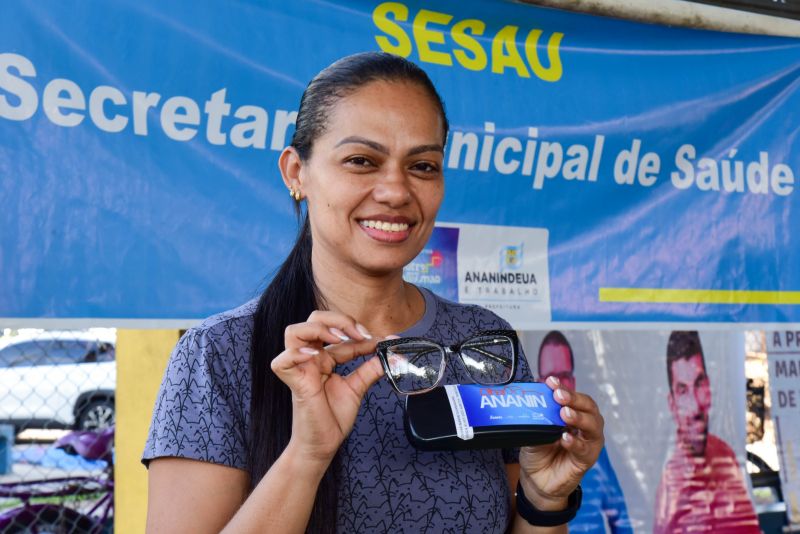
[[539, 518]]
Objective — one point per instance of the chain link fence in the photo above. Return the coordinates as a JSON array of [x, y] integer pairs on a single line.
[[57, 416]]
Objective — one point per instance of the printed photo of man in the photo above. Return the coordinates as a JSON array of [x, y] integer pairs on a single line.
[[702, 488], [603, 508]]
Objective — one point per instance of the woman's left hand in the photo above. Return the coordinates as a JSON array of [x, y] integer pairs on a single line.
[[549, 473]]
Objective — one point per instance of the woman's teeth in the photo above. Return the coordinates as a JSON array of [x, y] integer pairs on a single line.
[[385, 226]]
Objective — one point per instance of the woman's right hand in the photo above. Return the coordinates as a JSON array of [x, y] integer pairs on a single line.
[[325, 404]]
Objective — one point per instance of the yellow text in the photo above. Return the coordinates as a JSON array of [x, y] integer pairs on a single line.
[[441, 40]]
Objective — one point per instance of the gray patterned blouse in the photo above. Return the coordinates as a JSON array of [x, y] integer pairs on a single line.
[[202, 413]]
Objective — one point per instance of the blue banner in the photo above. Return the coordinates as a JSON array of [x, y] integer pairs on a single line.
[[139, 144]]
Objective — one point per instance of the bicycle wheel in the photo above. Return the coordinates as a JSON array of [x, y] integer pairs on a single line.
[[50, 519]]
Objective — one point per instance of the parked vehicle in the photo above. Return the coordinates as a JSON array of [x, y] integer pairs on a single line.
[[58, 379]]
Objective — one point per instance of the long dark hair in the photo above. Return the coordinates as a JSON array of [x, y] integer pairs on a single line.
[[292, 295]]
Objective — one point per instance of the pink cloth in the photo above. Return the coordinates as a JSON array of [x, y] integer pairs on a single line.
[[704, 494]]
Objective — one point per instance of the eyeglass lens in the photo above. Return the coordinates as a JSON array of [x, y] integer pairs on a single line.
[[489, 359], [415, 366]]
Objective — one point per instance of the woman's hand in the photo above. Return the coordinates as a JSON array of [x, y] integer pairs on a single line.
[[549, 473], [325, 404]]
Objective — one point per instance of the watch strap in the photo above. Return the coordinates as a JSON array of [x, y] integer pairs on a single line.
[[541, 518]]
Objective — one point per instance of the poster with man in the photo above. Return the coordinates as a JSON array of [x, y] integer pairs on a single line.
[[603, 505], [702, 484], [674, 405]]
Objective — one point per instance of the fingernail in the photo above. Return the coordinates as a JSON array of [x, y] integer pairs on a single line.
[[554, 380], [569, 412], [363, 331], [567, 437], [338, 333], [308, 350], [560, 395], [392, 336]]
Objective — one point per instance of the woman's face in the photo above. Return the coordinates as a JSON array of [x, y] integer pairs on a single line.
[[374, 180]]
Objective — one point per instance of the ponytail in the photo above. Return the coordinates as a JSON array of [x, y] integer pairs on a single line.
[[290, 298]]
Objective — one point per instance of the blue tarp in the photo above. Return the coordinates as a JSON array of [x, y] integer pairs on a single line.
[[139, 141]]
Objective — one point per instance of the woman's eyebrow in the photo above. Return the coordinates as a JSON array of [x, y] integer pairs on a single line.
[[355, 139], [363, 141], [426, 148]]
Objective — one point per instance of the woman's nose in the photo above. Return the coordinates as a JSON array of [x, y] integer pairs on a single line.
[[392, 188]]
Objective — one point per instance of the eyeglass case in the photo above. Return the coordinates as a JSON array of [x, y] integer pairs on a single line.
[[471, 416]]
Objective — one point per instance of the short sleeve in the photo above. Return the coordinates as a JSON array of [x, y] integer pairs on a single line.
[[198, 412]]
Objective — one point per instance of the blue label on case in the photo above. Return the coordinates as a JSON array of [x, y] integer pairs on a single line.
[[518, 403]]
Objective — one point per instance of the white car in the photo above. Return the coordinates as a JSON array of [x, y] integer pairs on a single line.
[[60, 379]]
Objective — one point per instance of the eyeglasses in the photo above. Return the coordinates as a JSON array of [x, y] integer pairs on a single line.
[[416, 365]]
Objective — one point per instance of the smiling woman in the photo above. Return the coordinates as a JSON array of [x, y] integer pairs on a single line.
[[270, 420], [363, 180]]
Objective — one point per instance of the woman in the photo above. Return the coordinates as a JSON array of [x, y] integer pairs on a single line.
[[269, 418]]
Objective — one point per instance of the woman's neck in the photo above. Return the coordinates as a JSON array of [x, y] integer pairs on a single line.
[[383, 304]]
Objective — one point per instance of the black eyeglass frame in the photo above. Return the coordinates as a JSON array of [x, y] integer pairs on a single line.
[[448, 350]]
